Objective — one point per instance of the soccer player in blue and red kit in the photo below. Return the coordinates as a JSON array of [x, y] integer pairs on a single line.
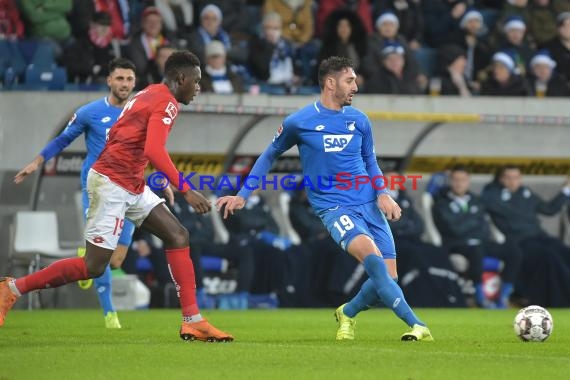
[[117, 190], [95, 120], [333, 139]]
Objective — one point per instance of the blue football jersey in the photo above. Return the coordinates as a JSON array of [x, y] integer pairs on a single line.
[[95, 119], [335, 148]]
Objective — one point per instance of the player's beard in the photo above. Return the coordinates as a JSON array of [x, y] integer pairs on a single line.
[[119, 95], [345, 99]]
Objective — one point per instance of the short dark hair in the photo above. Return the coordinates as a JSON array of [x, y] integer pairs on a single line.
[[333, 65], [459, 168], [501, 171], [178, 61], [121, 63]]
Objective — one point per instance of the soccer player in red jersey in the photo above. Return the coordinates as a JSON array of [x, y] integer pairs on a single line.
[[116, 189]]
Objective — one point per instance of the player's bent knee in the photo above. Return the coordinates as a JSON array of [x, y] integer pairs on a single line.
[[95, 270], [179, 237]]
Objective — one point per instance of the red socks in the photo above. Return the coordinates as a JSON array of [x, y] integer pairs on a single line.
[[182, 272], [57, 274]]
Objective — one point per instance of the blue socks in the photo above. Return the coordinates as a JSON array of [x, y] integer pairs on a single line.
[[365, 298], [386, 289], [103, 287]]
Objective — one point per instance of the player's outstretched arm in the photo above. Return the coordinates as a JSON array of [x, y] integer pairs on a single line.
[[29, 169], [230, 203], [389, 207], [199, 202]]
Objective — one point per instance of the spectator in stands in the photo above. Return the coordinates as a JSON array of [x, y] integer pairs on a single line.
[[217, 75], [297, 19], [542, 19], [504, 79], [120, 20], [452, 61], [476, 47], [387, 26], [460, 217], [360, 7], [344, 36], [441, 20], [271, 56], [177, 17], [80, 17], [514, 40], [543, 79], [298, 28], [155, 72], [559, 47], [143, 46], [236, 251], [514, 8], [87, 57], [409, 16], [210, 29], [280, 266], [394, 75], [235, 20], [11, 25], [514, 209], [335, 275], [47, 20]]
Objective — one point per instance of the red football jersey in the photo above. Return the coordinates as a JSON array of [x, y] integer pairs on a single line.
[[139, 136]]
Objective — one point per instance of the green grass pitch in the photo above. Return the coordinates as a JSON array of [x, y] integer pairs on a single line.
[[278, 344]]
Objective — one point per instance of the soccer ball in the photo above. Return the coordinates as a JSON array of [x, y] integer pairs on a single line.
[[533, 324]]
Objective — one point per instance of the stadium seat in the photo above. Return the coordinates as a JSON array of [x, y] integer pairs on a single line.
[[432, 234], [35, 236], [289, 231], [10, 57], [427, 60], [222, 234], [496, 235], [54, 78], [43, 57]]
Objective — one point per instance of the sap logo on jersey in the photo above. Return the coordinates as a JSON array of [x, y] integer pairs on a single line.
[[336, 143]]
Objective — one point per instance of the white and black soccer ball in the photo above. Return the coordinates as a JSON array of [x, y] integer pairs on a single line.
[[533, 324]]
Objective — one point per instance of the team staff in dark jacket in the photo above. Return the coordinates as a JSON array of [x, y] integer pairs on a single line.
[[460, 217], [514, 209]]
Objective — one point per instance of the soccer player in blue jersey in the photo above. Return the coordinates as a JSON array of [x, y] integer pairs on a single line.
[[337, 154], [95, 119]]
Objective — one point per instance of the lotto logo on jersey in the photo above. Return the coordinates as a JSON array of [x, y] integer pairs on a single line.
[[336, 143]]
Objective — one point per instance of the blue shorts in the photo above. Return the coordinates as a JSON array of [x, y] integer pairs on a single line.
[[128, 227], [344, 223]]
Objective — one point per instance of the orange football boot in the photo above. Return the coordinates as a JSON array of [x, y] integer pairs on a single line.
[[7, 298], [204, 332]]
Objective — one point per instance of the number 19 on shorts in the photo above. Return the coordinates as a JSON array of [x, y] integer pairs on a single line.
[[344, 225]]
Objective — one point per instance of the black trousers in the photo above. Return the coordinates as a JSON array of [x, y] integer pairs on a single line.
[[239, 256], [508, 252]]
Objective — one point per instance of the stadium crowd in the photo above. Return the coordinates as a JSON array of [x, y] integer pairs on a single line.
[[437, 47]]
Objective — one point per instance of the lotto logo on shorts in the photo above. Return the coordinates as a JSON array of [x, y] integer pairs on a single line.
[[336, 143]]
